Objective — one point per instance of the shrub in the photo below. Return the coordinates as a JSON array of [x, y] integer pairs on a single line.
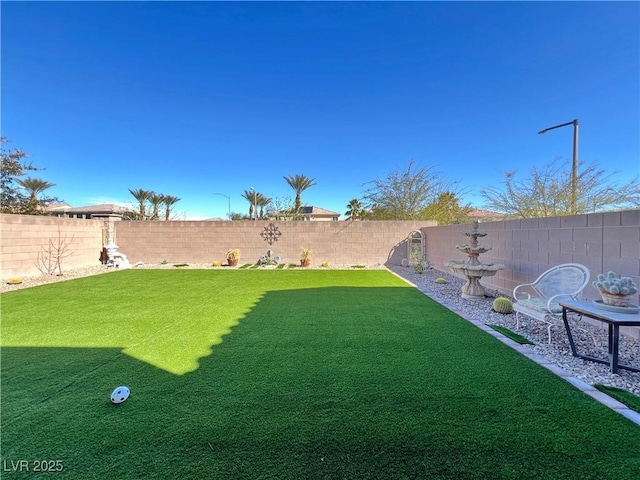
[[233, 254], [324, 264], [441, 280], [14, 281], [216, 263]]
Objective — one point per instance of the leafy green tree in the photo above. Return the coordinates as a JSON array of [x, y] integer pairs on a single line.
[[404, 193], [355, 210], [299, 183], [13, 167], [239, 216], [547, 192], [446, 210]]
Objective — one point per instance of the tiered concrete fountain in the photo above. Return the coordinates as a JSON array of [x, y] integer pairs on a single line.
[[472, 268]]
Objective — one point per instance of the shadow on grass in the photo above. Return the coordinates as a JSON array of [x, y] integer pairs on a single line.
[[333, 382]]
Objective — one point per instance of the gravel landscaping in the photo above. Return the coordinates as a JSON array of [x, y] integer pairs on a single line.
[[448, 294], [558, 352]]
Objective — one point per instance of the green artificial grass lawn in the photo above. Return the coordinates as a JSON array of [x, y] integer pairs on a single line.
[[624, 396], [283, 374], [512, 335]]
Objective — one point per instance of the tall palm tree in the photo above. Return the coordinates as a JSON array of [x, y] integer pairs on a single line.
[[169, 201], [34, 186], [141, 196], [299, 183], [252, 197], [355, 210], [262, 201], [155, 199]]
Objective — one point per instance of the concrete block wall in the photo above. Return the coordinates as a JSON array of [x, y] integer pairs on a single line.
[[23, 238], [600, 241], [338, 243]]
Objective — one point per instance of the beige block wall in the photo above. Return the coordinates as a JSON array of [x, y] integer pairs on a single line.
[[600, 241], [25, 240], [338, 243]]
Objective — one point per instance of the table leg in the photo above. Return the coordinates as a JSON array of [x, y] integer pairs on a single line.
[[568, 329], [614, 340]]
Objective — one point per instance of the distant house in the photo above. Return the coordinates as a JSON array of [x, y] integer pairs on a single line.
[[308, 213], [103, 211]]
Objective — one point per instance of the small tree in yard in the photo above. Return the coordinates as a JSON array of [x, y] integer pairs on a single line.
[[51, 256], [547, 192]]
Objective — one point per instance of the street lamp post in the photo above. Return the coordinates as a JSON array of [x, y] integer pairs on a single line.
[[229, 199], [574, 169]]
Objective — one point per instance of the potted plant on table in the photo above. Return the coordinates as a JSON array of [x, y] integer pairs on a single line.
[[305, 257], [616, 291], [233, 256]]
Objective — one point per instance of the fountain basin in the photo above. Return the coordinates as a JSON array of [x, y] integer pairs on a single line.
[[473, 289]]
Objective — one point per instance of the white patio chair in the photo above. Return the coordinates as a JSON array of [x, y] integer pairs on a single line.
[[539, 300]]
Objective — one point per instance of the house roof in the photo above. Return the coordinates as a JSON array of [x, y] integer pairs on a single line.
[[105, 209], [312, 210]]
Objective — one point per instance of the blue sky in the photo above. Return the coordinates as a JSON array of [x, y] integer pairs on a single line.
[[192, 98]]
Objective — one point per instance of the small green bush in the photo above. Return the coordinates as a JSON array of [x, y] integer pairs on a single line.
[[181, 265], [441, 280], [14, 281], [502, 305]]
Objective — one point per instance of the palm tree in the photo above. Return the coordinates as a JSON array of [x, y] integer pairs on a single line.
[[155, 199], [262, 201], [251, 196], [299, 183], [34, 187], [355, 211], [141, 196], [169, 201]]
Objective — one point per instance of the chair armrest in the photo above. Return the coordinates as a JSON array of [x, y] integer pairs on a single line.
[[519, 291], [555, 299]]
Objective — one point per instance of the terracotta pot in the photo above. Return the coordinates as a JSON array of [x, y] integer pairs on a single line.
[[232, 262], [305, 262], [616, 300]]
